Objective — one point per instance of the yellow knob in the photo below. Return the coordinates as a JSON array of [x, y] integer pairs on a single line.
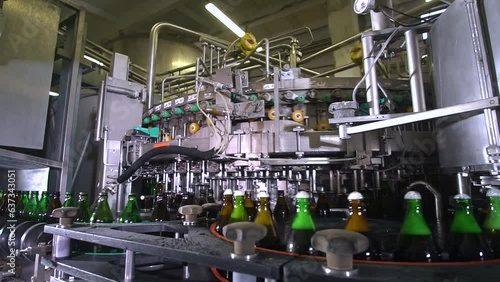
[[298, 115], [271, 114], [194, 127], [322, 126], [167, 138], [356, 53]]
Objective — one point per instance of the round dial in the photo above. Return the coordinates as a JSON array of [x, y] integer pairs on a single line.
[[362, 7]]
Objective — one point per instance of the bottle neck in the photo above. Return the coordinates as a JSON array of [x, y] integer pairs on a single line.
[[238, 201], [492, 221], [228, 200], [414, 223], [464, 220]]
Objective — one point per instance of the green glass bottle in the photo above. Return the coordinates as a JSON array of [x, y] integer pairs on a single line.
[[131, 213], [491, 224], [84, 213], [69, 200], [415, 242], [21, 204], [225, 213], [264, 217], [102, 212], [239, 213], [30, 208], [303, 227], [249, 206], [467, 242], [160, 209], [41, 208]]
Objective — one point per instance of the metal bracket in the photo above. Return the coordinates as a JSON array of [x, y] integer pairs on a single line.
[[297, 131], [479, 105]]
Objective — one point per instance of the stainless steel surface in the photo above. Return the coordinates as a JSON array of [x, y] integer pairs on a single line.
[[458, 111], [415, 71], [438, 210], [100, 110], [129, 265], [153, 41], [32, 179], [372, 97], [119, 66], [453, 49], [25, 75], [378, 19], [15, 160]]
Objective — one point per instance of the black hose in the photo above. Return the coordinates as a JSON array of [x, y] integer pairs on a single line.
[[190, 152]]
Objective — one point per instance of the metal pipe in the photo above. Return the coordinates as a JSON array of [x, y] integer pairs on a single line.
[[463, 184], [372, 96], [415, 71], [204, 57], [172, 78], [100, 109], [337, 70], [211, 58], [218, 57], [416, 11], [438, 208], [129, 265], [153, 46], [266, 41], [197, 74]]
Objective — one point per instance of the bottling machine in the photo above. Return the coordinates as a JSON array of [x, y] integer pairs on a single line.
[[422, 116]]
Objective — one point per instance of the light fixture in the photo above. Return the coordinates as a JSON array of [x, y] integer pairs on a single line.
[[259, 49], [54, 94], [93, 60], [224, 19]]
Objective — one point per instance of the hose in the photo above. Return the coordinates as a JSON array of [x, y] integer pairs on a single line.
[[190, 152]]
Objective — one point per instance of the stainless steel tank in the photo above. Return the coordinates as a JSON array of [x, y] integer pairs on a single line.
[[464, 49]]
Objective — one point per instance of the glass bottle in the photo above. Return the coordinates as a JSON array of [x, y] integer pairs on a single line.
[[342, 201], [210, 196], [55, 203], [160, 209], [281, 215], [303, 227], [467, 242], [102, 212], [69, 200], [239, 213], [41, 208], [84, 213], [322, 206], [357, 222], [264, 217], [225, 212], [415, 242], [249, 205], [131, 213], [30, 208], [203, 196], [21, 204], [491, 224]]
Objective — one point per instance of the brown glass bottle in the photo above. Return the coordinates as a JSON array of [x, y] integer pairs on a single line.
[[225, 213], [55, 203], [322, 206], [160, 210], [264, 217], [357, 222], [281, 215], [249, 206]]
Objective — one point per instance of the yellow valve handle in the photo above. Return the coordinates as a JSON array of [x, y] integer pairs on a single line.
[[247, 43], [322, 126], [298, 116], [356, 53], [194, 127], [271, 114]]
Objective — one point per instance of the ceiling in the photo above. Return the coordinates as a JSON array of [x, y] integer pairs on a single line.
[[110, 19]]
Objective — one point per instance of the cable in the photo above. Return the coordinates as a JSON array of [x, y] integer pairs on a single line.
[[394, 20], [384, 46], [169, 149]]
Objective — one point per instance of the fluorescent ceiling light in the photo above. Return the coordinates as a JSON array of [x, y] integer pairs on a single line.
[[93, 60], [55, 94], [260, 49], [433, 13], [224, 19]]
